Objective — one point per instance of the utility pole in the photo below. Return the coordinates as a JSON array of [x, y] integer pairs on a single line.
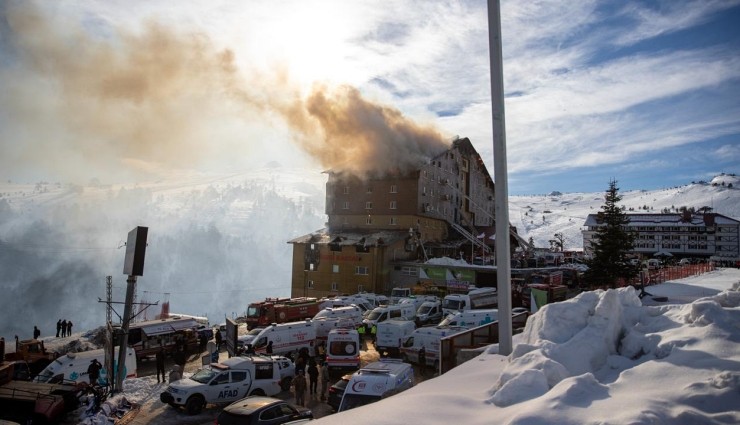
[[503, 256]]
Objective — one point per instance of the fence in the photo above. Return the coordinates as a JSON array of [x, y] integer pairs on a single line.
[[664, 274]]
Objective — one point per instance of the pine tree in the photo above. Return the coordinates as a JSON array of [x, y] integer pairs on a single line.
[[610, 244]]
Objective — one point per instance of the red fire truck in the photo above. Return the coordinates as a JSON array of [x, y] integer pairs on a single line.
[[281, 310]]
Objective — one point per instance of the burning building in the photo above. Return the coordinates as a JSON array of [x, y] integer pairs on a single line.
[[377, 223]]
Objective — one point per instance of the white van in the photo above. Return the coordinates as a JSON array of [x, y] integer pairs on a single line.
[[471, 318], [393, 311], [287, 338], [224, 382], [351, 313], [376, 381], [346, 300], [390, 334], [429, 312], [398, 293], [73, 366], [343, 349], [429, 339], [375, 300], [475, 299]]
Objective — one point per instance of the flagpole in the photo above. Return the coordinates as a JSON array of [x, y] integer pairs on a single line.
[[503, 260]]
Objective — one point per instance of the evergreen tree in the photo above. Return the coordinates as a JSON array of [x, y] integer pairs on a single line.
[[610, 244]]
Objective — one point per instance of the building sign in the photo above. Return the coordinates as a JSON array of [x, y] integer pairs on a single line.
[[458, 285], [556, 278]]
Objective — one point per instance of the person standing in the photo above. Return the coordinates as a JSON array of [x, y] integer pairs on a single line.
[[160, 363], [422, 361], [219, 339], [313, 376], [373, 332], [299, 387], [64, 328], [59, 327], [268, 349], [324, 379], [36, 332], [69, 328], [93, 371]]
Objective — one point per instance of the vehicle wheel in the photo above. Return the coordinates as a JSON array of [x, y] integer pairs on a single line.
[[285, 383], [257, 391], [194, 404]]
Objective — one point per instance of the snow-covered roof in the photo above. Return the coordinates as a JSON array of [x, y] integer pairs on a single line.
[[674, 219]]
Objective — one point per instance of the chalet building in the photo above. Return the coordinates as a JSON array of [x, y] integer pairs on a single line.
[[375, 224], [683, 235]]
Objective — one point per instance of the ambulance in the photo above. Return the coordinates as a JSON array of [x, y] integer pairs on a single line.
[[391, 334], [352, 313], [376, 381], [381, 314], [470, 318], [73, 366], [287, 338], [429, 338], [343, 349]]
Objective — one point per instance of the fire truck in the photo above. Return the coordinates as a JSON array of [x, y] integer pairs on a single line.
[[281, 310]]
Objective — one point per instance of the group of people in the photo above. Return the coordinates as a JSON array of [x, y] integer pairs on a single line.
[[364, 329], [313, 370], [64, 328]]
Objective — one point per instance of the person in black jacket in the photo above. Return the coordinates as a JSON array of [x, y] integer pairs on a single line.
[[93, 371], [160, 364], [59, 327], [36, 332]]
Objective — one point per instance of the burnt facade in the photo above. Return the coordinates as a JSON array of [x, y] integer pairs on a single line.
[[398, 217]]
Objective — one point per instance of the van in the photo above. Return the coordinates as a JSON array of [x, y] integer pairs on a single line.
[[287, 338], [398, 293], [652, 264], [343, 349], [350, 313], [376, 381], [429, 338], [475, 299], [390, 334], [224, 382], [375, 300], [430, 312], [471, 318], [417, 300], [347, 300], [381, 314], [73, 366]]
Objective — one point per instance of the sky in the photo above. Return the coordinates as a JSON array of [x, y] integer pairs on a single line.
[[604, 357], [644, 92]]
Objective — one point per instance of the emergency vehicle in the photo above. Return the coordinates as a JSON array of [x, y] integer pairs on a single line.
[[471, 318], [475, 299], [429, 338], [351, 313], [429, 312], [72, 367], [376, 381], [381, 314], [281, 310], [343, 349], [390, 334], [224, 382], [287, 338]]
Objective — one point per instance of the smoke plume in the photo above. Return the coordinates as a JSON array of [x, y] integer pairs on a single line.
[[78, 104]]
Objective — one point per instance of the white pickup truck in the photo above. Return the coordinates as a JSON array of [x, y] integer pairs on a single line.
[[225, 382]]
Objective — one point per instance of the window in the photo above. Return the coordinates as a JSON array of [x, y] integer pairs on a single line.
[[335, 268], [345, 206], [334, 286], [360, 288], [310, 284], [393, 205], [346, 190], [369, 220], [368, 205], [394, 188], [238, 376], [392, 221], [361, 270], [409, 271], [369, 190], [263, 370]]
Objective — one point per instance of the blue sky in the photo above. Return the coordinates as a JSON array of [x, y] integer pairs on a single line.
[[645, 92]]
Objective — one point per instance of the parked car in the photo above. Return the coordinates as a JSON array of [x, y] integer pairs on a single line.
[[260, 410], [336, 392]]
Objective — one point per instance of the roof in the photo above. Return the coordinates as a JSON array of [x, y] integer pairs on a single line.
[[352, 237], [673, 219]]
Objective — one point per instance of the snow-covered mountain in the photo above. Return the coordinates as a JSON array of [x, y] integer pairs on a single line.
[[218, 241]]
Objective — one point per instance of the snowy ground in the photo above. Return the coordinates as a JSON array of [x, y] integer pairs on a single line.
[[602, 357]]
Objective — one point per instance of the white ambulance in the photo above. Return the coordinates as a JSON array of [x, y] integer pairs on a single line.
[[470, 318], [224, 382], [343, 349], [352, 313], [287, 338], [393, 311], [429, 312], [475, 299], [73, 366], [428, 338], [376, 381], [390, 335]]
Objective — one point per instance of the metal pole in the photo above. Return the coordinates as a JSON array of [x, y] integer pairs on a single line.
[[503, 260], [121, 370]]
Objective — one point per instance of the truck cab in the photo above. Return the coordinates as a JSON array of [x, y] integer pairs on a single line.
[[225, 382]]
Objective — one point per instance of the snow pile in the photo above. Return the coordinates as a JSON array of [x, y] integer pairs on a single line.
[[446, 261]]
